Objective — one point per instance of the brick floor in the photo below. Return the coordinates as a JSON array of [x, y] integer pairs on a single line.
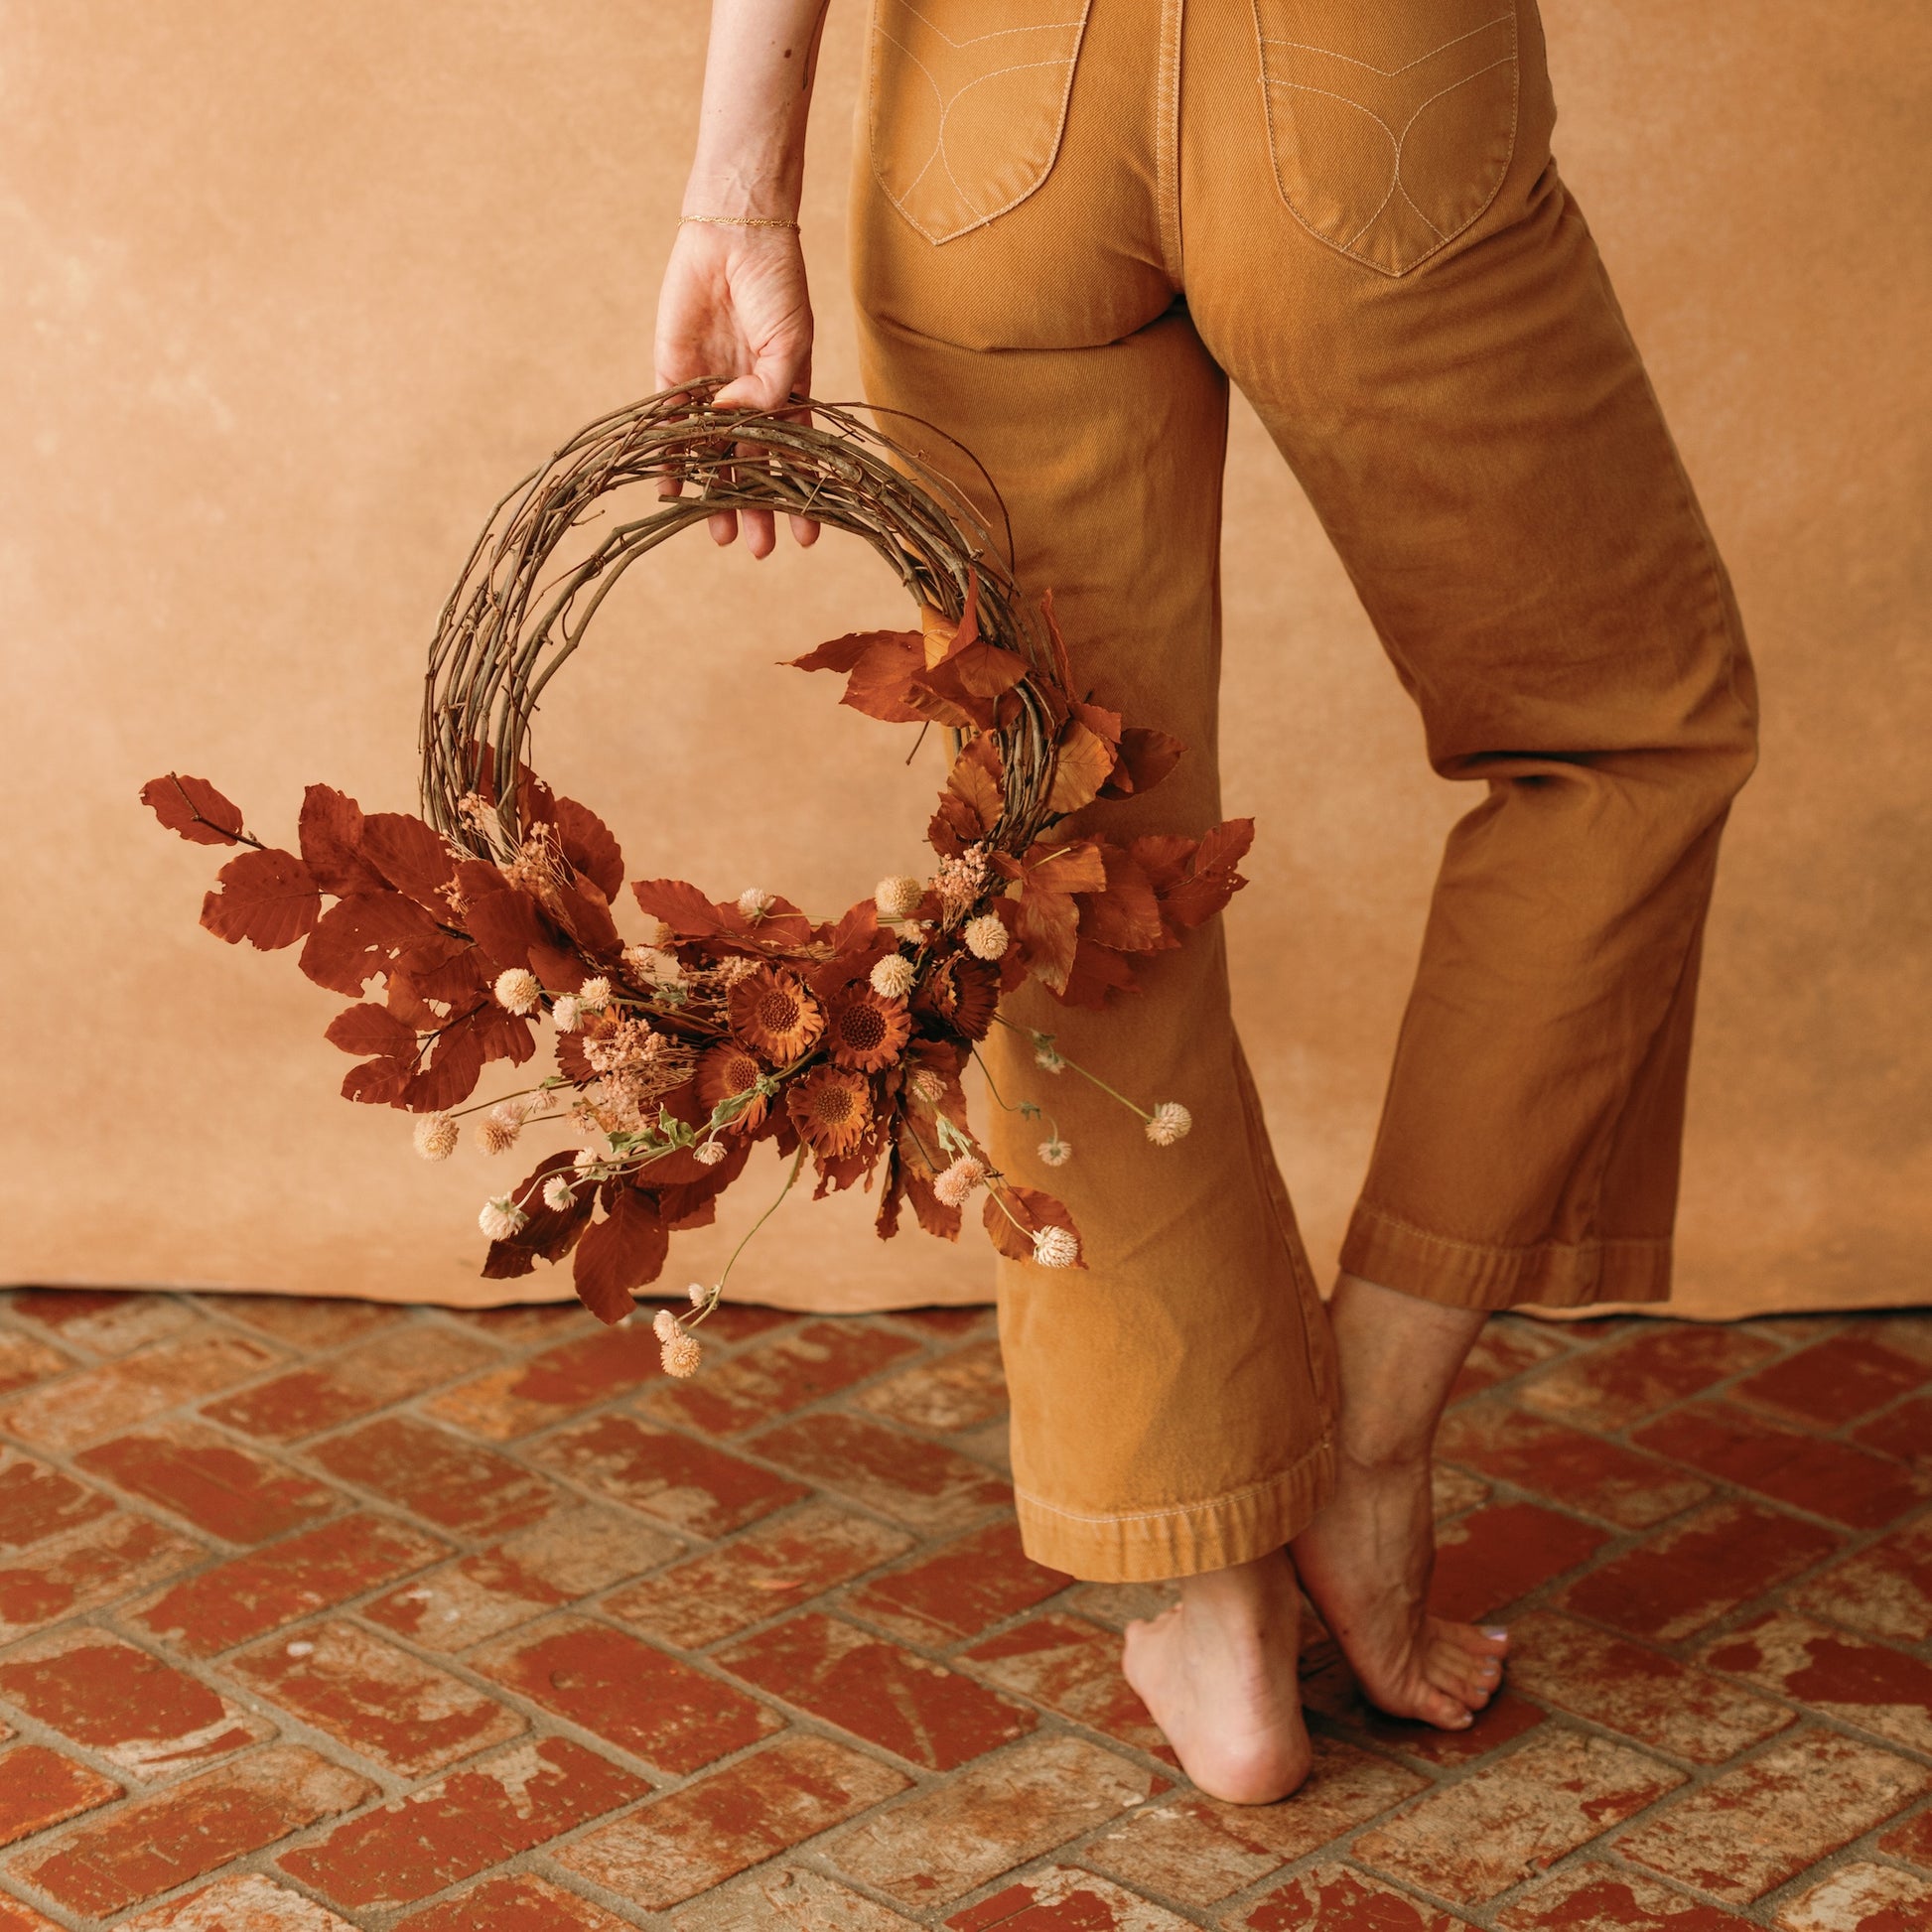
[[319, 1615]]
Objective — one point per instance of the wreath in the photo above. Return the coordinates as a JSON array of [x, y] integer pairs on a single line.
[[739, 1019]]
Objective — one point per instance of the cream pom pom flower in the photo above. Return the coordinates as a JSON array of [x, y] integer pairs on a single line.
[[595, 994], [955, 1185], [437, 1136], [986, 936], [680, 1352], [663, 1324], [585, 1159], [699, 1293], [501, 1217], [652, 963], [498, 1129], [557, 1193], [1055, 1248], [755, 901], [928, 1088], [566, 1013], [893, 977], [517, 988], [706, 1153], [1056, 1152], [898, 898], [1170, 1123]]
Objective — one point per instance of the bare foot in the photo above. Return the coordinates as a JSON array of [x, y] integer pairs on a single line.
[[1218, 1672], [1365, 1562]]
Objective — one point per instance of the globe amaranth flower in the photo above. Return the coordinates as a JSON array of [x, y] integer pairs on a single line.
[[1055, 1247], [928, 1088], [953, 1185], [517, 988], [865, 1029], [595, 994], [773, 1014], [497, 1131], [1056, 1152], [893, 977], [832, 1109], [1170, 1123], [726, 1072], [557, 1193], [755, 901], [501, 1217], [708, 1154], [566, 1013], [680, 1352], [436, 1137]]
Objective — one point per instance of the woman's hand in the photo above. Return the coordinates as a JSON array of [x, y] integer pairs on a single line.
[[733, 301]]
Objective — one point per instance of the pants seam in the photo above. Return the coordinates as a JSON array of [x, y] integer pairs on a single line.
[[1595, 1244], [1319, 1448]]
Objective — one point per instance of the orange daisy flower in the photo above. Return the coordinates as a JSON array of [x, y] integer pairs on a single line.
[[831, 1108], [729, 1070], [962, 991], [864, 1030], [773, 1014]]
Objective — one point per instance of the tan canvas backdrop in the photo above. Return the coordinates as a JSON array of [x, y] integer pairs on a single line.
[[289, 294]]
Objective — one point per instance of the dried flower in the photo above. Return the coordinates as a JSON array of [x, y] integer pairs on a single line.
[[517, 988], [964, 993], [595, 994], [585, 1159], [774, 1015], [1056, 1152], [1055, 1247], [893, 976], [501, 1217], [986, 936], [1046, 1056], [663, 1324], [566, 1012], [653, 964], [928, 1088], [726, 1072], [706, 1153], [955, 1187], [496, 1132], [898, 898], [681, 1353], [658, 933], [831, 1108], [960, 881], [437, 1136], [755, 901], [699, 1293], [557, 1193], [1170, 1123], [865, 1029]]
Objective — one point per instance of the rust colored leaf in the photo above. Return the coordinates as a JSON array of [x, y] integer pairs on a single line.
[[193, 808], [1033, 1210], [933, 1214], [411, 855], [367, 1030], [681, 906], [1083, 762], [550, 1232], [1097, 974], [1211, 878], [1098, 719], [880, 682], [270, 898], [505, 924], [1127, 915], [456, 1064], [590, 845], [330, 830], [1146, 757], [377, 1083], [625, 1250], [359, 937], [977, 781]]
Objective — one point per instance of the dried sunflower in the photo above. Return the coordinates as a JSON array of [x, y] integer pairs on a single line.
[[772, 1014], [864, 1031], [728, 1069], [831, 1108]]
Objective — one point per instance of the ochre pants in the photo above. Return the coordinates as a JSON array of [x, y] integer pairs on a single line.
[[1074, 223]]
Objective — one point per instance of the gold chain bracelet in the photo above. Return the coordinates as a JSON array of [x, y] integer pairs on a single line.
[[741, 221]]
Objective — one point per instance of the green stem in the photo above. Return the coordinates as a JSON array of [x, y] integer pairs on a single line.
[[717, 1293], [1093, 1078]]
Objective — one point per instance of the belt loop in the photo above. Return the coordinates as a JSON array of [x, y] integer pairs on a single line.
[[1166, 136]]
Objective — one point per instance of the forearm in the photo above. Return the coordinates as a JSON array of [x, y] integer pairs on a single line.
[[760, 66]]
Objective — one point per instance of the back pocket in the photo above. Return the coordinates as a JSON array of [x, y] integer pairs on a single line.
[[1391, 123], [967, 99]]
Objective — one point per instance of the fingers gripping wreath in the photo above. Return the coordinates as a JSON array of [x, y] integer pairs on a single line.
[[738, 1019]]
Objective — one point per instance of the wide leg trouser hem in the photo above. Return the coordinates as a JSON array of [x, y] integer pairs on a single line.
[[1467, 1275], [1145, 1546]]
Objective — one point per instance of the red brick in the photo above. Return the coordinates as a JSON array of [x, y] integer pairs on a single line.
[[232, 1492], [395, 1710], [1866, 1684], [960, 1589], [997, 1812], [959, 1390], [675, 1717], [1911, 1841], [1453, 1491], [574, 1375], [107, 1321], [1507, 1347], [688, 1485], [772, 1568], [241, 1902], [877, 1691], [1061, 1900], [923, 1485], [36, 1501], [692, 1839], [452, 1483], [780, 1375], [1580, 1471], [174, 1834], [1832, 1479], [1629, 1688], [1333, 1898], [1751, 1829], [1885, 1589], [40, 1787], [948, 1322], [1661, 1364], [16, 1917], [95, 1403], [1073, 1667], [1598, 1897], [524, 1903], [1833, 1382], [1699, 1571], [1197, 1851], [1491, 1558], [787, 1898], [1514, 1816], [461, 1825], [1905, 1432], [553, 1563], [137, 1712], [1862, 1897], [25, 1361], [101, 1560], [307, 1323], [324, 1395], [250, 1596]]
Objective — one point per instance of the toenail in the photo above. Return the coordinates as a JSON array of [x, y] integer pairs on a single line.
[[1495, 1632]]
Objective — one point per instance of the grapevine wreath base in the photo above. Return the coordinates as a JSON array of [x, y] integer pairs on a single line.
[[743, 1019]]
